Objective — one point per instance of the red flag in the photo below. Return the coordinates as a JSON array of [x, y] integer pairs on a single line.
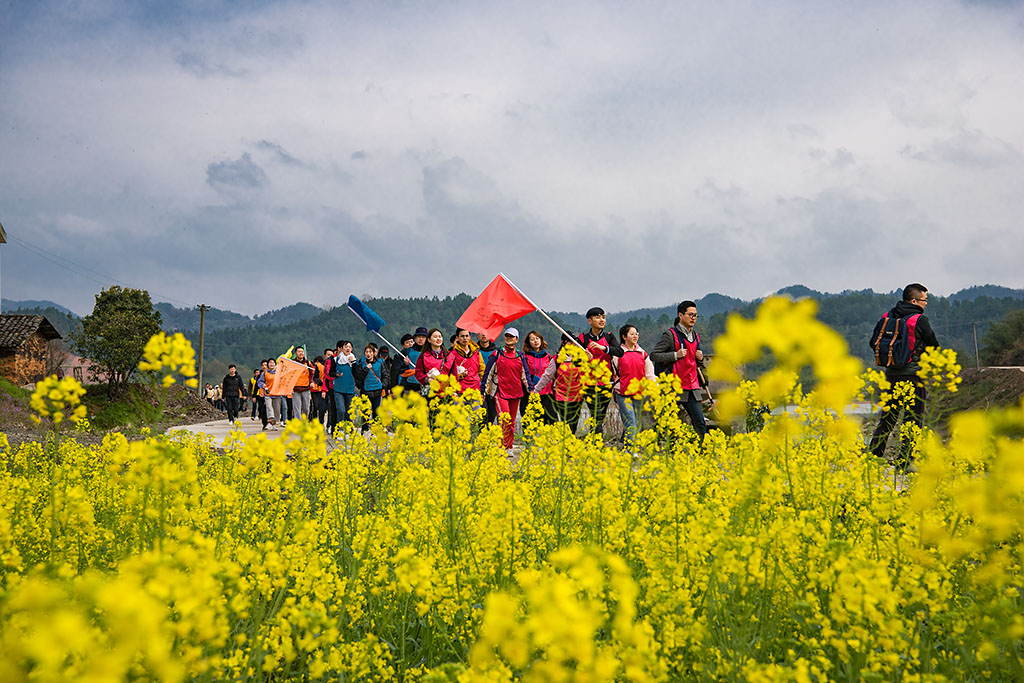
[[499, 304]]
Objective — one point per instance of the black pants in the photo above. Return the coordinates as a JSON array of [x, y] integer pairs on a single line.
[[691, 403], [233, 404], [598, 399], [261, 405], [491, 408], [332, 412], [568, 412], [891, 417], [375, 398], [318, 407], [255, 406], [547, 401]]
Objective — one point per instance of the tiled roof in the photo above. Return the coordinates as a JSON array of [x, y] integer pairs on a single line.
[[15, 329]]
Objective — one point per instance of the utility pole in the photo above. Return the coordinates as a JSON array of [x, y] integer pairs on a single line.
[[3, 240], [977, 361], [203, 308]]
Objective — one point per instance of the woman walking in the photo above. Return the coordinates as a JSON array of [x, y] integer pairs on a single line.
[[343, 379], [565, 376], [430, 362], [505, 380], [369, 372], [272, 400], [537, 361], [633, 364]]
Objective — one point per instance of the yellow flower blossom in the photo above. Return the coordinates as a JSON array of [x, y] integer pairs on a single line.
[[169, 356], [58, 398]]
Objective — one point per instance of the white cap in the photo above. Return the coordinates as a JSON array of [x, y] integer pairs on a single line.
[[512, 331]]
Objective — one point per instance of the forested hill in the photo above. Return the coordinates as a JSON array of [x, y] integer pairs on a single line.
[[246, 346], [184, 319], [63, 320], [235, 338]]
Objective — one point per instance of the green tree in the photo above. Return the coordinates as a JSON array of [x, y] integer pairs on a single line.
[[114, 335], [1004, 342]]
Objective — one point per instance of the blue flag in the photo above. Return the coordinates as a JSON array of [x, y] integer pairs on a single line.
[[372, 321]]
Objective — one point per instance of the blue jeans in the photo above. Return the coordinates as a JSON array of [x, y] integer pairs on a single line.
[[630, 410], [342, 402], [692, 404]]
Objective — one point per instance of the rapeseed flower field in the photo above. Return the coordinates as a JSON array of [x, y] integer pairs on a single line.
[[423, 553]]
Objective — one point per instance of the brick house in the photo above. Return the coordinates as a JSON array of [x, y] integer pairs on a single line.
[[23, 347], [81, 369]]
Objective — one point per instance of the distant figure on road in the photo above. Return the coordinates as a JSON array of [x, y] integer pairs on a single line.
[[271, 400], [233, 390], [255, 395], [300, 392]]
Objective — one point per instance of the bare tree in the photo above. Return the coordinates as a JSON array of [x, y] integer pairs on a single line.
[[57, 354]]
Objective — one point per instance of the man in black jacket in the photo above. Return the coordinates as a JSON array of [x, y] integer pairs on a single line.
[[403, 364], [232, 388], [915, 299]]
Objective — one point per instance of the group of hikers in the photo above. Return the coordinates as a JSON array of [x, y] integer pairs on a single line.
[[507, 374]]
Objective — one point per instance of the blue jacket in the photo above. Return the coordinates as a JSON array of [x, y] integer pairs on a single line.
[[344, 381], [371, 374]]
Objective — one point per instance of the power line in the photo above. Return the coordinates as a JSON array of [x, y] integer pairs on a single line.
[[76, 268]]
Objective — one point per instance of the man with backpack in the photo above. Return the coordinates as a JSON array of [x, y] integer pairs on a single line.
[[600, 346], [678, 352], [898, 341]]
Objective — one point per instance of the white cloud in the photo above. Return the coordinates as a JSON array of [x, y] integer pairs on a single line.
[[748, 144]]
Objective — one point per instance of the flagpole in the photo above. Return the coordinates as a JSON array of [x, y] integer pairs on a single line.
[[397, 350], [541, 311]]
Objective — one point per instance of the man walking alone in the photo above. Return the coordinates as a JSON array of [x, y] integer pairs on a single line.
[[921, 336], [232, 389]]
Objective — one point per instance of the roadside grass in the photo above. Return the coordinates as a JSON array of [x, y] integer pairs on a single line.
[[129, 412], [14, 410]]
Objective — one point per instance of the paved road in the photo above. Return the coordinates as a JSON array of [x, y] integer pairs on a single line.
[[219, 429]]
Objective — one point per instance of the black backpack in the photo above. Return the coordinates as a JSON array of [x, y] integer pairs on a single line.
[[893, 340]]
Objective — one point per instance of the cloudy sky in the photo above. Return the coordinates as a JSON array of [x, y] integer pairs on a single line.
[[249, 155]]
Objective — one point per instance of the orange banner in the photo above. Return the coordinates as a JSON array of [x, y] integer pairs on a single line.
[[288, 372]]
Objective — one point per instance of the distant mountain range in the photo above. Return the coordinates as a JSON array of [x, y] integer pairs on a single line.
[[182, 319], [187, 319], [244, 340], [8, 306]]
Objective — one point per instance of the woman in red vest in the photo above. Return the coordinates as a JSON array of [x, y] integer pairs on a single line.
[[565, 377], [428, 365], [634, 364], [537, 361], [505, 379]]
